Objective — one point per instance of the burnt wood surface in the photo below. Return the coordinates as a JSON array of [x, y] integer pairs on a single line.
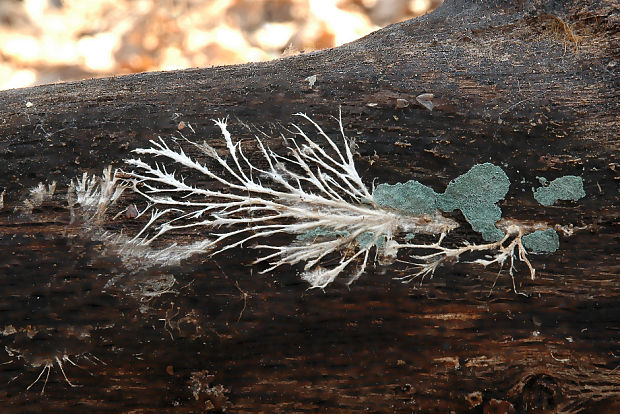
[[512, 84]]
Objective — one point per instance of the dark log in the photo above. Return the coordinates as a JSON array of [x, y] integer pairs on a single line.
[[529, 86]]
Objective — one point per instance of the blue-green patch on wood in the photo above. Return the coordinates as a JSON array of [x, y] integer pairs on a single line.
[[410, 197], [475, 194], [569, 187], [542, 241], [366, 238], [318, 232]]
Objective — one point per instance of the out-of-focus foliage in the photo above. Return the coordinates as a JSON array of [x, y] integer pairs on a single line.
[[44, 41]]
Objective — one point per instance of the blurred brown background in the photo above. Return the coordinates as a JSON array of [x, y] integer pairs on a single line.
[[45, 41]]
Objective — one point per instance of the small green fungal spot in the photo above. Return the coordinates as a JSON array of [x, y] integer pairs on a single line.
[[366, 238], [410, 197], [409, 237], [569, 187], [542, 241], [321, 232], [542, 180], [475, 194]]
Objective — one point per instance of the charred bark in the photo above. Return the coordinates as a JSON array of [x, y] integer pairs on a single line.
[[531, 87]]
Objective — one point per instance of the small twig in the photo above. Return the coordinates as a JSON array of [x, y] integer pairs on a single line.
[[563, 360]]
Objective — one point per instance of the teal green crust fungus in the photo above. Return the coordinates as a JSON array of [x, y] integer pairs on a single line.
[[542, 241], [411, 197], [317, 232], [475, 194], [363, 239], [569, 187], [366, 238]]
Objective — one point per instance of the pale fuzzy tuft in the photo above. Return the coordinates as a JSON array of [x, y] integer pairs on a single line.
[[319, 277], [91, 196], [37, 196], [136, 254]]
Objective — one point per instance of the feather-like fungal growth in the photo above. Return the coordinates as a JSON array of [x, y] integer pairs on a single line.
[[312, 195], [92, 195]]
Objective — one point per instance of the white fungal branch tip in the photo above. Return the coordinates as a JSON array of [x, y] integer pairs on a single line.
[[313, 193]]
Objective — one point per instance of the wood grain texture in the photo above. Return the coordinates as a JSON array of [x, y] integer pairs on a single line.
[[509, 89]]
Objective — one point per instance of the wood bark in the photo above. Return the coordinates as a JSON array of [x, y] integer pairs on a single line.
[[530, 86]]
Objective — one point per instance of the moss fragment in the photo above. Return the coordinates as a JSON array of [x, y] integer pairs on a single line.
[[321, 232], [475, 194], [542, 241], [569, 187], [410, 197]]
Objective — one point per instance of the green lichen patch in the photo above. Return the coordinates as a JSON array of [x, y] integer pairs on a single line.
[[410, 197], [475, 194], [542, 241], [320, 232], [569, 187], [366, 238]]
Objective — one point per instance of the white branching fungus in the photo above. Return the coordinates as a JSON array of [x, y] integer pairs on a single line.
[[313, 194], [503, 250], [47, 359], [47, 366]]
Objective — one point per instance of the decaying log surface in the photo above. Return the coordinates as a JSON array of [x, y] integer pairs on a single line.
[[531, 87]]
